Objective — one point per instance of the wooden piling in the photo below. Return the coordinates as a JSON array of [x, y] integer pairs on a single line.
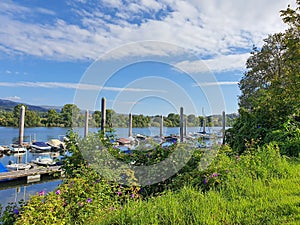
[[223, 126], [103, 114], [86, 124], [185, 127], [161, 126], [181, 124], [130, 125], [21, 125], [204, 125]]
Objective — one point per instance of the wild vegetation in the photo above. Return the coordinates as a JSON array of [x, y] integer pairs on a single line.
[[269, 103], [252, 180]]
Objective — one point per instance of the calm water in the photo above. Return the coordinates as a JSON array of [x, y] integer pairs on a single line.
[[9, 135]]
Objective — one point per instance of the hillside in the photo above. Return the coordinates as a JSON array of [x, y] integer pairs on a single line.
[[8, 105]]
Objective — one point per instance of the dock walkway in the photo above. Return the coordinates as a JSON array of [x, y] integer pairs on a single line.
[[29, 173]]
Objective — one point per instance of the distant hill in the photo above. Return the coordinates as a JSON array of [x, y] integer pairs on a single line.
[[8, 105], [57, 108]]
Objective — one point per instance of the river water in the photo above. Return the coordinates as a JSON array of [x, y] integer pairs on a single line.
[[9, 135]]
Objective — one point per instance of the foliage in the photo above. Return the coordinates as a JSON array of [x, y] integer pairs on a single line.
[[287, 137], [10, 213], [270, 89], [259, 187]]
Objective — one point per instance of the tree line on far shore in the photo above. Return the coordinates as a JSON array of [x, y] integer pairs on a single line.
[[71, 116]]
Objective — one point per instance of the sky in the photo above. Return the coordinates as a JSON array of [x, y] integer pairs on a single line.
[[145, 57]]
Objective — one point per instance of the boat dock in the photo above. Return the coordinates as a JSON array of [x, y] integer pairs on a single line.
[[32, 175]]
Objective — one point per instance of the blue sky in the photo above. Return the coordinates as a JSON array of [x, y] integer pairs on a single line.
[[165, 54]]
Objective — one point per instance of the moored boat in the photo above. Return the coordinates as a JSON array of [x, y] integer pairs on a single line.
[[44, 161], [18, 166], [40, 146], [56, 144], [15, 148]]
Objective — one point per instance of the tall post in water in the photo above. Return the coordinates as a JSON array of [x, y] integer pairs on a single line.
[[223, 127], [86, 124], [161, 126], [181, 124], [103, 114], [21, 125], [185, 126], [130, 125], [204, 125]]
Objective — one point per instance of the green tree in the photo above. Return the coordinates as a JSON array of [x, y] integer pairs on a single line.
[[110, 117], [270, 87], [32, 119], [52, 118], [70, 115], [97, 118], [140, 121], [172, 120]]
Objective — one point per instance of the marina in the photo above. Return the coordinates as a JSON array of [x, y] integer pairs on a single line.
[[38, 157]]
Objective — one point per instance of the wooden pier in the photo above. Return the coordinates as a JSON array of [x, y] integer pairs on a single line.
[[32, 175]]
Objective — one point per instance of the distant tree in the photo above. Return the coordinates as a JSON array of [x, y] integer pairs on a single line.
[[173, 120], [97, 118], [70, 115], [52, 118], [110, 117], [32, 119], [140, 121]]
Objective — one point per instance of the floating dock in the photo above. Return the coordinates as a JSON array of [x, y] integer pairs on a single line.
[[32, 175]]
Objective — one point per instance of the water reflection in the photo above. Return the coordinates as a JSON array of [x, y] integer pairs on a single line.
[[19, 192]]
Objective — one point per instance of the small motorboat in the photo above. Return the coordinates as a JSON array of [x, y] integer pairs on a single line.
[[56, 144], [40, 146], [15, 148], [18, 166], [44, 161]]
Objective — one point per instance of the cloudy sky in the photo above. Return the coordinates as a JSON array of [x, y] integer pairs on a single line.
[[144, 56]]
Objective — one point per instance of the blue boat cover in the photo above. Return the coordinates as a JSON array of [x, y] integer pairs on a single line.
[[3, 168]]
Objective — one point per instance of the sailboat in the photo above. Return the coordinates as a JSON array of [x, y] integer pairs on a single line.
[[18, 166], [203, 133]]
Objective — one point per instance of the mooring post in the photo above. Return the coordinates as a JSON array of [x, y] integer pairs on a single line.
[[86, 124], [181, 124], [161, 126], [185, 127], [204, 125], [130, 125], [21, 125], [103, 114], [223, 126]]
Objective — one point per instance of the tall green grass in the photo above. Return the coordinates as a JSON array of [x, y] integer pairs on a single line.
[[246, 202], [261, 188]]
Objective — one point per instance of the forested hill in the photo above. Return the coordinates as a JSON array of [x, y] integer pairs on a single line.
[[8, 105]]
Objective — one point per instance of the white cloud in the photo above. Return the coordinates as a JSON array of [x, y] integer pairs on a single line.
[[220, 83], [73, 86], [217, 64], [206, 27], [12, 98]]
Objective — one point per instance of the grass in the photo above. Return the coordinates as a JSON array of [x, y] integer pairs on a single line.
[[249, 201]]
